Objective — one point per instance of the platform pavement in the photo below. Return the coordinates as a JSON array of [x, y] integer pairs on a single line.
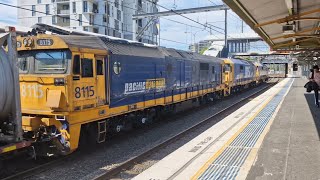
[[186, 162], [291, 149]]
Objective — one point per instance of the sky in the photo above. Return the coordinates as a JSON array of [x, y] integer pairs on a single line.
[[184, 34]]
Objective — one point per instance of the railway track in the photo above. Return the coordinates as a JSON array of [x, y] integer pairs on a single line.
[[37, 169], [143, 156], [129, 163]]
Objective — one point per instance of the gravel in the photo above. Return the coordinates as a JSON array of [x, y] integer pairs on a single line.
[[103, 157]]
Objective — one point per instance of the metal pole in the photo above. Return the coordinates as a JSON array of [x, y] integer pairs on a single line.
[[242, 26], [12, 52], [159, 30], [225, 28], [134, 28]]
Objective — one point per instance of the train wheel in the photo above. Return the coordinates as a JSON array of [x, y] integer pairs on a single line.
[[159, 114]]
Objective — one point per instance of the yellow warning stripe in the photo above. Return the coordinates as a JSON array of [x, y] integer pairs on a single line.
[[217, 154], [10, 148]]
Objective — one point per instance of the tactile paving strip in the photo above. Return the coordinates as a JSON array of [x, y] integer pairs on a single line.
[[228, 163]]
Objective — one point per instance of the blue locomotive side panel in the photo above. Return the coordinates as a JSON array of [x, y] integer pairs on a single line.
[[176, 76], [209, 75], [135, 79], [243, 70], [216, 71], [251, 70], [195, 75], [171, 69]]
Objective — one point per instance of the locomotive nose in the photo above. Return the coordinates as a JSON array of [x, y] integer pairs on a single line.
[[41, 94]]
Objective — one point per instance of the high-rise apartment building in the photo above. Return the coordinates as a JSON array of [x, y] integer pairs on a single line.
[[140, 7], [109, 17]]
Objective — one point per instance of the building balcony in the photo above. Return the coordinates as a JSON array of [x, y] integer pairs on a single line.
[[63, 1], [94, 1], [140, 8], [64, 22], [64, 12], [88, 24], [91, 11]]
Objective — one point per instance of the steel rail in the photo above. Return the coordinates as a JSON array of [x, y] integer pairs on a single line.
[[37, 169]]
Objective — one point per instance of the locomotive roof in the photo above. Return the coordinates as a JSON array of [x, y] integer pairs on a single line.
[[122, 47], [257, 63], [84, 42], [189, 55], [239, 61], [131, 49]]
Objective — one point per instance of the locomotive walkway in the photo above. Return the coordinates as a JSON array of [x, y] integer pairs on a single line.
[[275, 136]]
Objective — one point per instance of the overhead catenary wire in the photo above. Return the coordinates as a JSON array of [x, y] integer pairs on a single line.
[[18, 7], [212, 2], [161, 17], [202, 28], [192, 19], [228, 12], [204, 25], [196, 21]]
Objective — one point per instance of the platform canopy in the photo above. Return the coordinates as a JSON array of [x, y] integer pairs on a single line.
[[284, 24]]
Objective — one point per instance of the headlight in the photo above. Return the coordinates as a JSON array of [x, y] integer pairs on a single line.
[[25, 41], [59, 81], [30, 42]]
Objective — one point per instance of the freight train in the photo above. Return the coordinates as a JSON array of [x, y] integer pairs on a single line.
[[76, 89]]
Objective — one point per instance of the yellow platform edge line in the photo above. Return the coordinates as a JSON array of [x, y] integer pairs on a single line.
[[254, 150], [218, 153]]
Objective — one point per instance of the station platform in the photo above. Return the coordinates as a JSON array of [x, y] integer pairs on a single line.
[[274, 136]]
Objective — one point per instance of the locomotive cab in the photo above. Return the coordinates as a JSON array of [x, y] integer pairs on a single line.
[[227, 77], [43, 76], [58, 79]]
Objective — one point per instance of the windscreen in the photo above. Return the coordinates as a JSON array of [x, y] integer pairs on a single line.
[[227, 68], [44, 61]]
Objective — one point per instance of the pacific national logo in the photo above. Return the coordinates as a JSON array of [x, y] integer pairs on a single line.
[[150, 84]]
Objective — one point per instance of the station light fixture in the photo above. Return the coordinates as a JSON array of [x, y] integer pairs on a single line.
[[288, 29]]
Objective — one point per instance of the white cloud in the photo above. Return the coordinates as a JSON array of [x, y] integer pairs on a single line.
[[8, 14]]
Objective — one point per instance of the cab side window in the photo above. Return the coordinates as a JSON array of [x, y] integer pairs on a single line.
[[87, 67], [76, 65], [241, 68], [226, 68], [99, 64]]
